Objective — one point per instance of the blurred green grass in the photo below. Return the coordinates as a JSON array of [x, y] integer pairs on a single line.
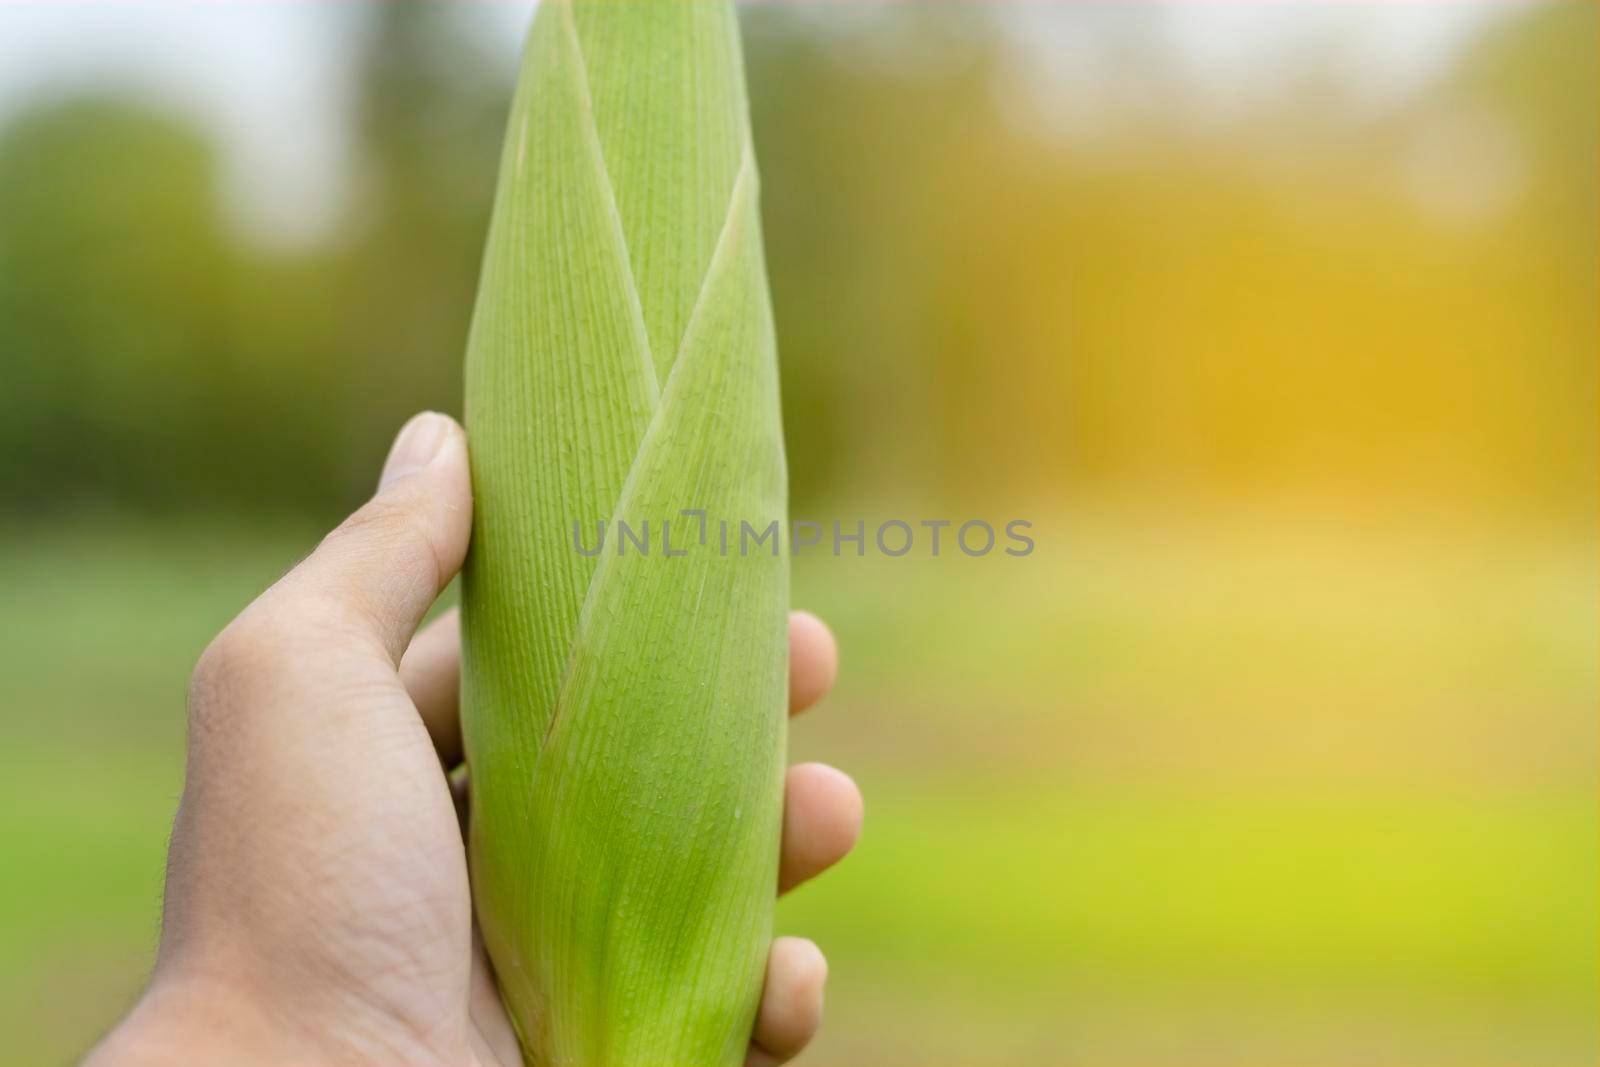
[[1221, 787], [102, 620]]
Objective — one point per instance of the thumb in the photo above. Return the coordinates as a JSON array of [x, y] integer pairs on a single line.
[[383, 567]]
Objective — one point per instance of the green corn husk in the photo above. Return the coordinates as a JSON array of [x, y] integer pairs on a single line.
[[624, 714]]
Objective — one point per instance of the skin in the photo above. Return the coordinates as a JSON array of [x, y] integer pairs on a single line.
[[317, 907]]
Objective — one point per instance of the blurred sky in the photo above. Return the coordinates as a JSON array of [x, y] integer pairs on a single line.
[[270, 78]]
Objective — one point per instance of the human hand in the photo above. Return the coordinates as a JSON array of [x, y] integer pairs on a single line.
[[317, 907]]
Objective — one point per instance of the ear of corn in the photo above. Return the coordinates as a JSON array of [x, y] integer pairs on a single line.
[[624, 713]]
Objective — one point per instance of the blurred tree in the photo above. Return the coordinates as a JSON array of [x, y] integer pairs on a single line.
[[113, 275], [858, 126], [1539, 74], [431, 101], [156, 361], [975, 307]]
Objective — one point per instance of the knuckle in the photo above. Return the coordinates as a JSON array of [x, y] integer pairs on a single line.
[[234, 661], [213, 669], [394, 528]]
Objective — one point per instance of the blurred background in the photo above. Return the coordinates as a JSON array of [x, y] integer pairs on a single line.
[[1278, 320]]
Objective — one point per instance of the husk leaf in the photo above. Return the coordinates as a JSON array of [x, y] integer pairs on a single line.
[[624, 713]]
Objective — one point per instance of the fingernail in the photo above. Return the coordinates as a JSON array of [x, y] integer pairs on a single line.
[[418, 442]]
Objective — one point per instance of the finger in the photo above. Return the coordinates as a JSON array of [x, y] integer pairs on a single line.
[[822, 812], [791, 1003], [431, 673], [813, 660], [385, 565]]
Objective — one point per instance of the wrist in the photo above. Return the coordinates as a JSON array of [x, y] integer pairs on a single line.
[[202, 1018], [180, 1021]]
